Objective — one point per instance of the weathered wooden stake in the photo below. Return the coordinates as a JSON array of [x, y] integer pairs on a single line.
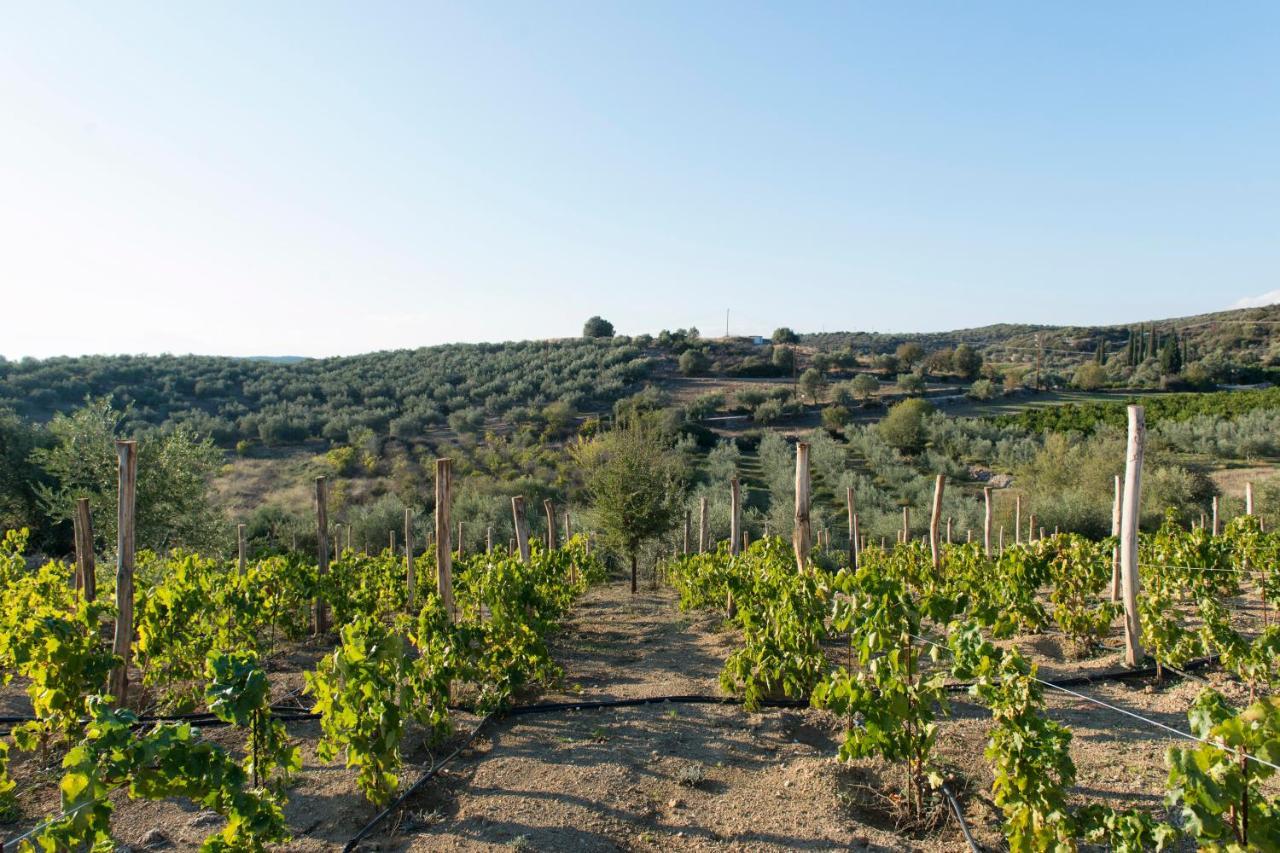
[[802, 536], [859, 542], [1002, 539], [1017, 519], [319, 616], [688, 529], [240, 553], [488, 539], [444, 532], [935, 518], [1217, 525], [1031, 528], [461, 540], [521, 525], [704, 535], [411, 579], [948, 530], [906, 525], [122, 645], [1129, 535], [1115, 531], [550, 510], [986, 520], [736, 535], [1248, 498], [853, 527], [86, 564]]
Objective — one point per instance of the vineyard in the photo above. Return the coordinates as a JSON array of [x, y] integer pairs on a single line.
[[929, 695]]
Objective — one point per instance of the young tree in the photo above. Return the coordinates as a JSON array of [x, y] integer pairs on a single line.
[[784, 335], [693, 362], [903, 427], [911, 383], [864, 385], [174, 505], [784, 358], [1089, 376], [811, 383], [966, 361], [635, 482], [597, 327], [908, 354]]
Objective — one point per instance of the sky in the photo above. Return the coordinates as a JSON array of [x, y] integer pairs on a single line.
[[308, 178]]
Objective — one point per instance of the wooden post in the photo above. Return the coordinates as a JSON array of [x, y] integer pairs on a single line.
[[444, 532], [1002, 539], [703, 533], [858, 543], [550, 510], [736, 534], [1031, 528], [319, 616], [461, 540], [1248, 498], [853, 527], [1017, 519], [1129, 535], [1115, 531], [488, 539], [522, 528], [906, 525], [688, 529], [1217, 525], [948, 530], [567, 534], [348, 537], [411, 579], [86, 564], [968, 535], [986, 520], [935, 519], [391, 542], [802, 536], [127, 485], [240, 551], [735, 516]]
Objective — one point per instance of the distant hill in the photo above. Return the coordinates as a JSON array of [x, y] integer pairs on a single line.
[[1245, 336], [467, 388]]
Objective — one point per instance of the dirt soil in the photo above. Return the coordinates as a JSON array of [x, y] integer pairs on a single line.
[[669, 776]]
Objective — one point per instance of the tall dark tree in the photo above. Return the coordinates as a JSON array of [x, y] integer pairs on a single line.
[[597, 327]]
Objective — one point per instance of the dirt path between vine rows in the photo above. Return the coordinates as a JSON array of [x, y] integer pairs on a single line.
[[662, 777]]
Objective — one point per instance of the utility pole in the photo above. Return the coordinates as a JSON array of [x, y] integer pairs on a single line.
[[726, 322]]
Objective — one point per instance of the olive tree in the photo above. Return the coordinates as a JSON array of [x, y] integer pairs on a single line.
[[635, 481]]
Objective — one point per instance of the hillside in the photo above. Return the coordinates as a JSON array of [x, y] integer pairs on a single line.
[[1244, 336], [465, 388]]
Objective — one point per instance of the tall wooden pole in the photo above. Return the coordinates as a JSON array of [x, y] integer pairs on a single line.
[[1116, 505], [986, 520], [319, 615], [703, 534], [122, 645], [853, 527], [688, 529], [444, 532], [1248, 498], [1017, 519], [1217, 524], [906, 525], [411, 579], [461, 540], [488, 539], [802, 536], [521, 525], [735, 516], [567, 534], [935, 519], [86, 566], [1129, 534], [550, 510], [240, 548]]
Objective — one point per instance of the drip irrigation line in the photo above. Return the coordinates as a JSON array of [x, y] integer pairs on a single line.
[[13, 844], [959, 815], [422, 780], [1154, 723]]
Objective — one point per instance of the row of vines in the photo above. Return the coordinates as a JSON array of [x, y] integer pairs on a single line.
[[205, 633], [911, 634]]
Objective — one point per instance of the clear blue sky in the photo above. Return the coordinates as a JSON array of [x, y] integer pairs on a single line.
[[312, 178]]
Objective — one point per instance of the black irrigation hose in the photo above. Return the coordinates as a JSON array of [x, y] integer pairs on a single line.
[[422, 780], [959, 815]]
